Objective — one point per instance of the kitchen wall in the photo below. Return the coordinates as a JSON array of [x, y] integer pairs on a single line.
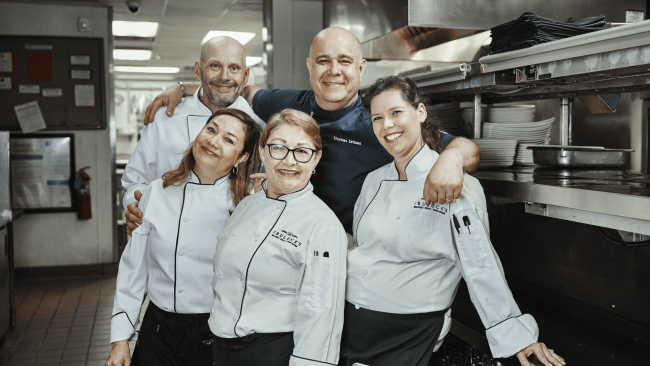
[[59, 239]]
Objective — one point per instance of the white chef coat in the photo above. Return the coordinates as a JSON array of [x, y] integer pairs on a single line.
[[171, 255], [164, 141], [280, 267], [409, 259]]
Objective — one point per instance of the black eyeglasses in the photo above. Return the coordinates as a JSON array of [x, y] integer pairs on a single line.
[[301, 154]]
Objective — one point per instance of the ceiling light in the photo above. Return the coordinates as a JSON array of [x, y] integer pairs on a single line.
[[253, 60], [134, 29], [241, 37], [133, 55], [148, 70]]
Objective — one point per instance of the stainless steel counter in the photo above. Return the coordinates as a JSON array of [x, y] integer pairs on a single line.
[[616, 199]]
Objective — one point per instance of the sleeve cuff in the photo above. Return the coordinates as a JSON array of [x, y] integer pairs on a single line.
[[302, 361], [512, 335], [121, 328]]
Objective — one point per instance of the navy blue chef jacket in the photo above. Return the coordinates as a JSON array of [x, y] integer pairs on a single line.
[[350, 148]]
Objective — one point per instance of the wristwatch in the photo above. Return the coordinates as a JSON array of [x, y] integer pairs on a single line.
[[183, 87]]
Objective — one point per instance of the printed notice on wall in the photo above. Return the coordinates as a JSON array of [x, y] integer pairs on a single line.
[[77, 74], [30, 117], [7, 62], [80, 60], [29, 89], [52, 92], [5, 83], [40, 172], [84, 95]]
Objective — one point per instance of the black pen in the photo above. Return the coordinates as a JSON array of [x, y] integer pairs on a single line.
[[456, 224], [466, 222]]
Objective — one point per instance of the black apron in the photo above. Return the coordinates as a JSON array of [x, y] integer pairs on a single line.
[[265, 349], [383, 339], [171, 339]]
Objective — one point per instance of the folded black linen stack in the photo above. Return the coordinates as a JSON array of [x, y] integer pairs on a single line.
[[531, 29]]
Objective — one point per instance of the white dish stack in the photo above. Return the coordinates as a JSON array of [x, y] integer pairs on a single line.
[[496, 153], [505, 124], [448, 117]]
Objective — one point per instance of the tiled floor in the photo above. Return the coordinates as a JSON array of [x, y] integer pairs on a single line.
[[61, 322]]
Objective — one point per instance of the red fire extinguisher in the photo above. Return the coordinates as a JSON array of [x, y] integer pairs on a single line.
[[82, 186]]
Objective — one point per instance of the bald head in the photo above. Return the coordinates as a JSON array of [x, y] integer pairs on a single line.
[[335, 68], [339, 36], [223, 44], [222, 71]]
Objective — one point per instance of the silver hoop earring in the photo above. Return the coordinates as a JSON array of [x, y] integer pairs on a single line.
[[314, 172], [235, 170]]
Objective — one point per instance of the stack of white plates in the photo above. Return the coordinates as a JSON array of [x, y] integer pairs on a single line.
[[510, 114], [447, 115], [530, 132], [524, 155], [496, 153]]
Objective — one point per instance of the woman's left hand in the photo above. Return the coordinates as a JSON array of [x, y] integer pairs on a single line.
[[545, 355]]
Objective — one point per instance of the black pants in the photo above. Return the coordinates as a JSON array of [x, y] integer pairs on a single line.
[[384, 339], [171, 339], [266, 349]]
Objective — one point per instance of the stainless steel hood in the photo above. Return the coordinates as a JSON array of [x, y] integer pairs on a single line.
[[399, 29]]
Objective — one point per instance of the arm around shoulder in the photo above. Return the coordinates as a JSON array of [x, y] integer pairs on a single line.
[[171, 97]]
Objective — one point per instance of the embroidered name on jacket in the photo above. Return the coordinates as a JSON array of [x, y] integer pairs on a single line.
[[433, 206], [288, 237]]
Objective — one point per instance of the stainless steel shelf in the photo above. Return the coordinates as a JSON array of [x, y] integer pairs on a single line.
[[609, 61], [616, 199]]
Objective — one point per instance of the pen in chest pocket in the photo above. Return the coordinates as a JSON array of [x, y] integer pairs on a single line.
[[467, 223], [456, 224]]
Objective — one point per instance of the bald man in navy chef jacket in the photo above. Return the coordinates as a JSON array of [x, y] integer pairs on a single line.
[[350, 148]]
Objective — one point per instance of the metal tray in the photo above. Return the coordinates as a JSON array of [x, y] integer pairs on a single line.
[[579, 156]]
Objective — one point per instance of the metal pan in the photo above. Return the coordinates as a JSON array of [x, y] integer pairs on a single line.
[[579, 156]]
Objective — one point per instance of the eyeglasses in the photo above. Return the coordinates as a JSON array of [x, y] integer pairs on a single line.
[[301, 154]]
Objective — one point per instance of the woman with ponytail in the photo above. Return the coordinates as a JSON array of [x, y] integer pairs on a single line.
[[170, 256]]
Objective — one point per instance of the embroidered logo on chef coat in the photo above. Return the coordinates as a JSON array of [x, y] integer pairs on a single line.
[[433, 206], [287, 236]]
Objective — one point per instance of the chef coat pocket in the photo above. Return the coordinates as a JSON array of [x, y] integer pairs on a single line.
[[474, 248], [319, 283], [424, 221]]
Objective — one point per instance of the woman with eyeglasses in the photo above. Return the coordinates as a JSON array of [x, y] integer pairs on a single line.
[[409, 257], [170, 256], [280, 262]]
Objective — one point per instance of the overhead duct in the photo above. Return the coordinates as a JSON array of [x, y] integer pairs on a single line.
[[401, 29]]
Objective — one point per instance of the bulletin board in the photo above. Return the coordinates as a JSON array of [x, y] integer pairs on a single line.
[[63, 75], [42, 171]]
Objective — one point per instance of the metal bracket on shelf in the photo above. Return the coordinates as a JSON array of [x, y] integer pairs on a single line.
[[635, 226]]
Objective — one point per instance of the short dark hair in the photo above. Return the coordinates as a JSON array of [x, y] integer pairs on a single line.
[[410, 94]]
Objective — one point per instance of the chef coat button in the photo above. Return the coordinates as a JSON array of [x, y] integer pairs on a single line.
[[219, 221], [234, 318], [181, 253], [221, 193], [399, 217], [241, 277], [280, 205], [180, 290], [257, 238], [356, 307], [234, 233], [190, 188], [212, 311], [361, 244], [365, 272], [186, 219], [383, 247], [258, 202]]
